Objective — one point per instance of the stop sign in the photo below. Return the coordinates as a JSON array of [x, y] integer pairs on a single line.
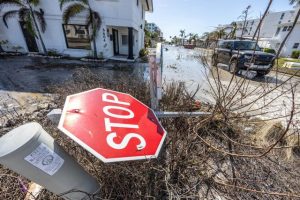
[[111, 125]]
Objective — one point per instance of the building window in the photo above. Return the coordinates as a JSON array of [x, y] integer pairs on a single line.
[[285, 28], [137, 2], [124, 40], [77, 36], [296, 45], [277, 32], [282, 16]]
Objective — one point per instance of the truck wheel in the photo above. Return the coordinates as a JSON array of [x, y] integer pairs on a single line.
[[260, 74], [233, 67]]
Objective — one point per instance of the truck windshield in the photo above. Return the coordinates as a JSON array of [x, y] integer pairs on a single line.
[[246, 45]]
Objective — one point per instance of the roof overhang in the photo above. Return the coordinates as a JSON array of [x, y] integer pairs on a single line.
[[148, 5]]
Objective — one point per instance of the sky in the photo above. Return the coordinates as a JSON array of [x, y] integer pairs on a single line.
[[199, 16]]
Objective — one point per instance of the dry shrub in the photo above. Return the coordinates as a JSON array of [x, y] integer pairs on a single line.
[[269, 132], [293, 153], [187, 167]]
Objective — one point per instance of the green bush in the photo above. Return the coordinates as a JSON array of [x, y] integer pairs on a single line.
[[143, 53], [296, 54], [53, 52], [268, 50]]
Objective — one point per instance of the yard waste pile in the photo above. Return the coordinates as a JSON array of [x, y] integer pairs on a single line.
[[198, 161]]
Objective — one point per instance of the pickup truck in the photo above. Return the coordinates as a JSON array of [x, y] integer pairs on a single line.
[[243, 55]]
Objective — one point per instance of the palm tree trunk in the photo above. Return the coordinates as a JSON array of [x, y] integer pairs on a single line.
[[262, 19], [94, 36], [37, 28], [95, 48]]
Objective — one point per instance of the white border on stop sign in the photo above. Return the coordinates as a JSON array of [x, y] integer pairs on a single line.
[[95, 153]]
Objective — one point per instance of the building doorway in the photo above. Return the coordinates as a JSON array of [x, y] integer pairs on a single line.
[[116, 41], [29, 38]]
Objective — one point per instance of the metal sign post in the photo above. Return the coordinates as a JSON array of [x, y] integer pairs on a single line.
[[31, 152]]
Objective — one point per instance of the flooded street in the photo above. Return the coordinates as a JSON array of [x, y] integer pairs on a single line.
[[184, 65], [25, 81]]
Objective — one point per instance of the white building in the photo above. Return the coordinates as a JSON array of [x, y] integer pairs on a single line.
[[153, 28], [273, 30], [121, 33]]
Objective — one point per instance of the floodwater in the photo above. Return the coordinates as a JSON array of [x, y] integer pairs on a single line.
[[184, 66], [33, 74], [24, 81]]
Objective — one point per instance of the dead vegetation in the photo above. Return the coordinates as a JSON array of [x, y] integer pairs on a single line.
[[223, 156]]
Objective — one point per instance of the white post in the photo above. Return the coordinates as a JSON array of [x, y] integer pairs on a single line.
[[153, 82], [155, 69], [31, 152], [159, 62]]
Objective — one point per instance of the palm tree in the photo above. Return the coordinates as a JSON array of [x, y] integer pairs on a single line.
[[220, 34], [27, 14], [93, 19], [262, 19], [190, 35], [195, 38], [232, 34], [182, 35]]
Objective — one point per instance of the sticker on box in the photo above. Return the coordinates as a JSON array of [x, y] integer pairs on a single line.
[[45, 159]]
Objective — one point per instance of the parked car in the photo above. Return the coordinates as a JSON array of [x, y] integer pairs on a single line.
[[243, 54]]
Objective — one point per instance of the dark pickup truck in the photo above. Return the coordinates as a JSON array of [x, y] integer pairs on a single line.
[[243, 54]]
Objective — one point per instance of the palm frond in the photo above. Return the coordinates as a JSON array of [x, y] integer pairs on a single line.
[[71, 11], [34, 2], [96, 24], [41, 20], [9, 3], [95, 21], [63, 2], [24, 14], [8, 15]]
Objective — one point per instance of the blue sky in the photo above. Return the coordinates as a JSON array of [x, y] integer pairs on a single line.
[[199, 16]]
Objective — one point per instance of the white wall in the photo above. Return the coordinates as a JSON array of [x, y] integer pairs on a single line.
[[120, 13]]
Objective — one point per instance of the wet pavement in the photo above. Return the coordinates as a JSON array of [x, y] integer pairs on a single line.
[[24, 79], [33, 74], [184, 65]]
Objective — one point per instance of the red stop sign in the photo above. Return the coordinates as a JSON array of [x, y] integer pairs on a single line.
[[111, 125]]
